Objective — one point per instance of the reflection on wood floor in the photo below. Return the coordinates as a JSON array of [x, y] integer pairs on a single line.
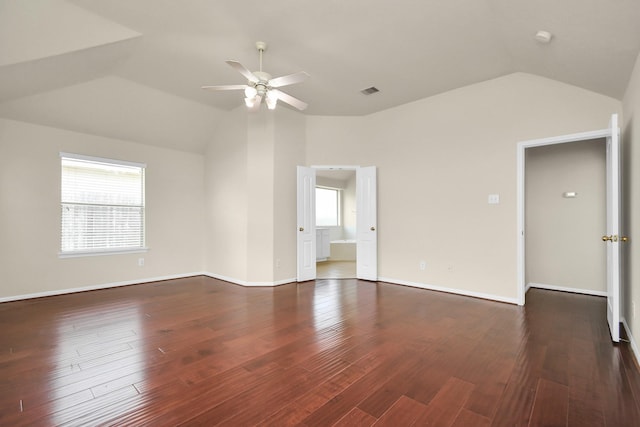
[[202, 352], [336, 270]]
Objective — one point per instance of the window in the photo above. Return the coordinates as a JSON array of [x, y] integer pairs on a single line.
[[327, 206], [102, 204]]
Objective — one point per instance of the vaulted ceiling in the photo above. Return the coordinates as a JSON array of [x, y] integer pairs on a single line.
[[132, 69]]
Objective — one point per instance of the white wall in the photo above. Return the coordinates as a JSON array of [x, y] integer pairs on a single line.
[[439, 158], [563, 245], [631, 205], [30, 212]]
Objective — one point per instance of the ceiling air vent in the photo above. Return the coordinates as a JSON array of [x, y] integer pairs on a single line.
[[370, 90]]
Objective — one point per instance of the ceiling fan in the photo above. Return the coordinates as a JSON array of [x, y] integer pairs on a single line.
[[261, 86]]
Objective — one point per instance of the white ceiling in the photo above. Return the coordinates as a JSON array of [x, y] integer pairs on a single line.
[[102, 61]]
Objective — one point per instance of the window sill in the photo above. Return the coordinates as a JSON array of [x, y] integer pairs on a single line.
[[79, 254]]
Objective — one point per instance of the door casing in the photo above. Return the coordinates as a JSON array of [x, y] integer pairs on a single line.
[[522, 146]]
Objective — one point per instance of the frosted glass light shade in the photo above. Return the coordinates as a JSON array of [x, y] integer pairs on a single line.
[[250, 92]]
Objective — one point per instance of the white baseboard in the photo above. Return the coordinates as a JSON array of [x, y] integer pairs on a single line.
[[634, 345], [96, 287], [246, 283], [449, 290], [281, 282], [141, 281], [565, 289]]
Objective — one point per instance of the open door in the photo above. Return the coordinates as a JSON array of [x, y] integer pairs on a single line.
[[612, 238], [366, 224], [306, 231]]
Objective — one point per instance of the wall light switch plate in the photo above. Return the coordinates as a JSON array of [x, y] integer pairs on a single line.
[[494, 199]]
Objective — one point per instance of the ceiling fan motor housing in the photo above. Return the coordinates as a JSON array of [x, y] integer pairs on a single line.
[[262, 85]]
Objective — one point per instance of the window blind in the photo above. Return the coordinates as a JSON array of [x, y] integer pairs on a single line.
[[102, 204]]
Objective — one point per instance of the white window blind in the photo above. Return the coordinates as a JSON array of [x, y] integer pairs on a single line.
[[102, 204]]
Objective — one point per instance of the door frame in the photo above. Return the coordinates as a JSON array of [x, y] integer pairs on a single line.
[[354, 168], [522, 146]]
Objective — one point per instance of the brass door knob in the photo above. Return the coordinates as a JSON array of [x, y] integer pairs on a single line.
[[605, 238], [373, 229], [301, 228], [624, 239]]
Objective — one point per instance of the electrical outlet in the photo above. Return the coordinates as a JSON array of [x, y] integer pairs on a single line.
[[140, 262], [423, 265]]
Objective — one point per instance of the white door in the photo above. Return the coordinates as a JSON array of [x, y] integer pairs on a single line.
[[366, 224], [306, 230], [612, 238]]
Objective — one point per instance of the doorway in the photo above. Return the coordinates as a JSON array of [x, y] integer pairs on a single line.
[[565, 207], [611, 238], [365, 225], [336, 224]]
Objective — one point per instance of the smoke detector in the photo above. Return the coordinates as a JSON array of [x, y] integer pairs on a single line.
[[544, 36]]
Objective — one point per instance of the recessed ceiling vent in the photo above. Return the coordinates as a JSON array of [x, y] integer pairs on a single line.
[[370, 90]]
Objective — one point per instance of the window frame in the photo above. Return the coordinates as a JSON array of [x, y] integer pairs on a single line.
[[103, 251]]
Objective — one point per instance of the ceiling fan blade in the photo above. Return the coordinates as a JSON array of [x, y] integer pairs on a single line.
[[243, 70], [294, 102], [256, 104], [289, 80], [225, 87]]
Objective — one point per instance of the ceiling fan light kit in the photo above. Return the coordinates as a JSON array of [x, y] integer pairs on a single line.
[[261, 86]]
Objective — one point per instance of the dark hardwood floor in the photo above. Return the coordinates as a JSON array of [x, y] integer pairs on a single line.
[[199, 351]]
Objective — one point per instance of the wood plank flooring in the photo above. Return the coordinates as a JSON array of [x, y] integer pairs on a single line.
[[199, 351]]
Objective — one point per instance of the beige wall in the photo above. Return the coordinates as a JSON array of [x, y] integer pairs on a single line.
[[563, 245], [439, 158], [251, 196], [226, 198], [30, 212], [631, 204], [289, 152]]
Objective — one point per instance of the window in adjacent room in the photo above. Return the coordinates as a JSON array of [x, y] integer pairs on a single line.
[[327, 207], [102, 204]]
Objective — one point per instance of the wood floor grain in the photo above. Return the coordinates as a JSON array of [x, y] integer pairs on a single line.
[[199, 351]]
